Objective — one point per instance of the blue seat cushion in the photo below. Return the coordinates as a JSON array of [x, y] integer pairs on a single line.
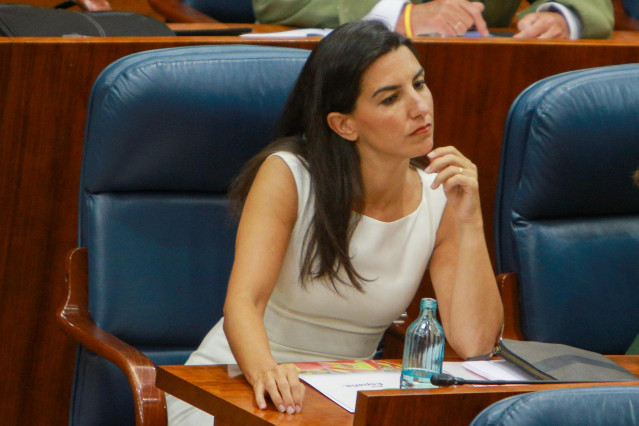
[[159, 265], [568, 291]]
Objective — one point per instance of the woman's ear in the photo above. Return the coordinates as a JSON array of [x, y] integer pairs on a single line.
[[342, 125]]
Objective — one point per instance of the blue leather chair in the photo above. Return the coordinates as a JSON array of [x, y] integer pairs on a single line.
[[166, 132], [604, 406], [631, 7], [566, 211]]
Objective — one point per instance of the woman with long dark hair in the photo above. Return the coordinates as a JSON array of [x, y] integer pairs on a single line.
[[338, 224]]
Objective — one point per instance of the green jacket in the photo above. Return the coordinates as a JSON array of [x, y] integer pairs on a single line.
[[597, 16]]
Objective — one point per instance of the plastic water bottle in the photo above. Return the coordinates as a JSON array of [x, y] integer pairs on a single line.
[[423, 348]]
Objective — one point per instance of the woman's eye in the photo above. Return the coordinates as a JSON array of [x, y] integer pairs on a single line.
[[420, 84], [389, 100]]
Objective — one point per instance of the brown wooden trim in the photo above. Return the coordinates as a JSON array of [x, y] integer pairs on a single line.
[[150, 406], [623, 21], [509, 289]]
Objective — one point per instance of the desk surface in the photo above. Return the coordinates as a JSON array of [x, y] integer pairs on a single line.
[[230, 399]]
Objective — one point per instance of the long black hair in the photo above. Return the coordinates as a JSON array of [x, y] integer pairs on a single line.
[[329, 82]]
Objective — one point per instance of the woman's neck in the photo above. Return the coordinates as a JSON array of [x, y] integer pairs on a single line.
[[391, 191]]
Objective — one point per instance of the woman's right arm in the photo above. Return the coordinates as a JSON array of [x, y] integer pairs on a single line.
[[263, 234]]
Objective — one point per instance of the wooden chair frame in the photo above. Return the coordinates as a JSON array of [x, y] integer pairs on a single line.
[[150, 404]]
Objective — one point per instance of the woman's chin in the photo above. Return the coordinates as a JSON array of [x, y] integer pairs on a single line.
[[424, 147]]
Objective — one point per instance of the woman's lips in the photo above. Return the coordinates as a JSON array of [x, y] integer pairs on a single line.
[[422, 130]]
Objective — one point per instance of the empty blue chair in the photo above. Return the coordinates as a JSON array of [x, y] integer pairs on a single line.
[[166, 132], [596, 406], [566, 211]]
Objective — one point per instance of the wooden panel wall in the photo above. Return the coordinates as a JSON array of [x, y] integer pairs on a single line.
[[45, 87]]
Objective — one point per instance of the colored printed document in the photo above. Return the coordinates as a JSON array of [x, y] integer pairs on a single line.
[[340, 380]]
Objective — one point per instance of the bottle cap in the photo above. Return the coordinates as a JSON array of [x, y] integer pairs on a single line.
[[427, 302]]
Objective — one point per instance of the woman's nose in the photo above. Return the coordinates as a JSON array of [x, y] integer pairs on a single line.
[[419, 104]]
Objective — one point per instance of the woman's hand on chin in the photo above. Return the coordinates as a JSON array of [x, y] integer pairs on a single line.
[[459, 177]]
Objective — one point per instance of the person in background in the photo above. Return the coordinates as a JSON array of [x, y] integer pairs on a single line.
[[560, 19], [94, 5], [339, 223]]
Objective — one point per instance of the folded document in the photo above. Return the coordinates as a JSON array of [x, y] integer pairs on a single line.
[[298, 33], [552, 361]]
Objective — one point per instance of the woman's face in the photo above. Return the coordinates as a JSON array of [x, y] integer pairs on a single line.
[[393, 115]]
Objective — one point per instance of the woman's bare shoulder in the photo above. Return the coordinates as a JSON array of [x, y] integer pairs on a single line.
[[274, 190]]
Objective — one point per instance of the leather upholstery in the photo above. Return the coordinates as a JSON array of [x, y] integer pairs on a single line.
[[610, 406], [166, 132], [566, 211], [225, 10], [631, 7]]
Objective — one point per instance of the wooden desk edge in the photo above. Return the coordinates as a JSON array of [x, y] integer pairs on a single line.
[[228, 413], [619, 38], [441, 402], [384, 406]]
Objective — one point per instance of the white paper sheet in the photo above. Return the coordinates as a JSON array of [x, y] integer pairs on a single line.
[[495, 370], [298, 33], [342, 388]]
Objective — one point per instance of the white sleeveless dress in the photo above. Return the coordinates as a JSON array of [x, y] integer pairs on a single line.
[[317, 324]]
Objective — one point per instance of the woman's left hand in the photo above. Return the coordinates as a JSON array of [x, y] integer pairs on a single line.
[[458, 175]]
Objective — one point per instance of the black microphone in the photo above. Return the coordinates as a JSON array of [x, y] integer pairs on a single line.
[[444, 380]]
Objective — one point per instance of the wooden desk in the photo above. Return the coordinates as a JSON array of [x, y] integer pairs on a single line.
[[45, 90], [230, 400]]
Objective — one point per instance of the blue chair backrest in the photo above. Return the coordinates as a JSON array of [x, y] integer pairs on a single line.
[[166, 132], [631, 7], [566, 211], [610, 406], [225, 10]]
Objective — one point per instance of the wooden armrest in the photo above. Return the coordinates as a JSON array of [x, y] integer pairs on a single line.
[[393, 340], [399, 326], [150, 405], [509, 289], [176, 11]]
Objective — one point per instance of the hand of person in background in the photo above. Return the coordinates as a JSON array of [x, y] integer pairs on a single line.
[[547, 25], [445, 17], [94, 5]]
